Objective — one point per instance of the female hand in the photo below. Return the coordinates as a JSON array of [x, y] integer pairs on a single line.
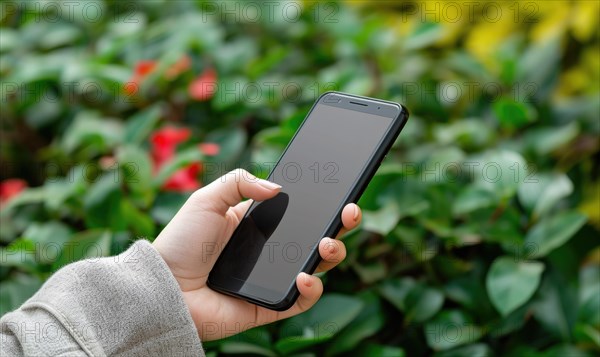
[[192, 241]]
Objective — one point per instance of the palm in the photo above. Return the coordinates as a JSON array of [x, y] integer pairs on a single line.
[[192, 242]]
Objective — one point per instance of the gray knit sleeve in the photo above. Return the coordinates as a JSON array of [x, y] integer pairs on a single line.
[[129, 305]]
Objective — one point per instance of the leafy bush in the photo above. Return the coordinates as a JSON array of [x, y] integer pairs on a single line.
[[480, 233]]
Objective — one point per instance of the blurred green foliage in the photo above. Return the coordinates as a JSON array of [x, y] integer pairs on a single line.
[[480, 233]]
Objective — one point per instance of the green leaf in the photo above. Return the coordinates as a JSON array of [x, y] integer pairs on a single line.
[[34, 69], [587, 334], [257, 341], [383, 220], [48, 240], [468, 133], [262, 64], [44, 112], [367, 323], [546, 140], [417, 301], [88, 129], [553, 232], [20, 253], [510, 284], [51, 232], [90, 244], [234, 347], [138, 222], [469, 291], [372, 349], [537, 67], [223, 102], [449, 329], [328, 317], [565, 350], [59, 35], [424, 35], [472, 198], [136, 172], [236, 54], [166, 205], [61, 190], [274, 136], [103, 204], [541, 196], [400, 198], [422, 303], [28, 196], [555, 305], [512, 114], [414, 240], [9, 39], [447, 161], [499, 171], [510, 324], [385, 175], [140, 125], [396, 290], [370, 272], [474, 350], [232, 142], [17, 290], [589, 295], [263, 157]]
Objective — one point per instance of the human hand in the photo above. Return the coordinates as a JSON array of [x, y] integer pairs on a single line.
[[192, 241]]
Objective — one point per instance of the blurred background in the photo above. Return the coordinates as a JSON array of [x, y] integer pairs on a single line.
[[480, 232]]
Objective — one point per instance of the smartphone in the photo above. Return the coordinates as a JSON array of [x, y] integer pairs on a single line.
[[327, 164]]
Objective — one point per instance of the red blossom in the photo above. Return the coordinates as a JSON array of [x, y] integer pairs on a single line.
[[164, 144], [141, 70], [184, 180], [210, 149], [131, 87], [165, 141], [144, 67], [107, 161], [204, 86], [11, 188], [183, 64]]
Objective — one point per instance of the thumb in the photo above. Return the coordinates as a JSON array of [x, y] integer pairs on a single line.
[[228, 190]]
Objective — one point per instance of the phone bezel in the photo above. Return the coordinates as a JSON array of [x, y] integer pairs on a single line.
[[399, 115]]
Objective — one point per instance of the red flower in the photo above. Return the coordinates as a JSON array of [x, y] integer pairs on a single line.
[[142, 69], [164, 144], [165, 141], [210, 149], [204, 86], [11, 188], [185, 179], [182, 65], [107, 161], [131, 87]]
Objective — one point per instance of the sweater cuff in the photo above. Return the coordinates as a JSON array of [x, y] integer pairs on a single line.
[[126, 304]]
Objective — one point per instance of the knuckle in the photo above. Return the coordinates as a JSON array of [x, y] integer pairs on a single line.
[[196, 196]]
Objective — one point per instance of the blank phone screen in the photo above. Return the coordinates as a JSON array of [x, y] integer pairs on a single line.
[[317, 171]]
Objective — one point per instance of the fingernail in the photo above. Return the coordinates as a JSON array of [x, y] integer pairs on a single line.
[[356, 213], [269, 185], [307, 280]]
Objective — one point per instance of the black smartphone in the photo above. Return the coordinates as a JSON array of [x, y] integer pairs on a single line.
[[327, 164]]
